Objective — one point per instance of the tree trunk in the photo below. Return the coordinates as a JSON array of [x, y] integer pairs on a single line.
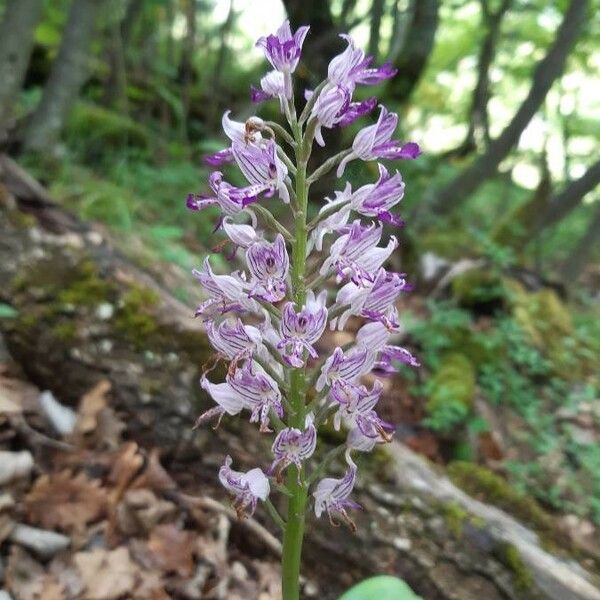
[[323, 43], [568, 199], [579, 256], [68, 74], [16, 43], [115, 87], [85, 313], [377, 9], [546, 72], [413, 59], [186, 66], [479, 128], [400, 25]]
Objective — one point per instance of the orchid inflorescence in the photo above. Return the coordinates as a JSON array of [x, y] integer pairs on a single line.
[[267, 321]]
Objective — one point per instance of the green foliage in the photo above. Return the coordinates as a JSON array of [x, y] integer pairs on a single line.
[[451, 391], [381, 586], [7, 311], [485, 485]]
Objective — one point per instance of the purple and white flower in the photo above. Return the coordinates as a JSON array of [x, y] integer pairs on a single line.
[[241, 234], [230, 199], [228, 293], [247, 488], [263, 169], [343, 368], [375, 142], [247, 388], [272, 86], [375, 336], [352, 67], [233, 339], [356, 110], [336, 221], [299, 331], [333, 496], [374, 301], [269, 265], [283, 51], [355, 254], [293, 446], [356, 410], [376, 199], [330, 107]]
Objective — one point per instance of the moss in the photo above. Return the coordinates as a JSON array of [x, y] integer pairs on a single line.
[[105, 127], [451, 392], [478, 287], [20, 219], [455, 517], [510, 556], [66, 330], [135, 317], [483, 484], [548, 324], [89, 290]]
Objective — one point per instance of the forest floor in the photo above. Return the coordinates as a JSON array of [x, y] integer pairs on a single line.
[[84, 513]]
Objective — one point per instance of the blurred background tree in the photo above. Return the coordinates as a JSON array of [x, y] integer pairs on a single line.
[[111, 104]]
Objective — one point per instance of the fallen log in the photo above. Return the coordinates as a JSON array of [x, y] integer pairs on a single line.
[[85, 313]]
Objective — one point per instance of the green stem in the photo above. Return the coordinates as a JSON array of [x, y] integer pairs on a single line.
[[274, 514], [294, 530]]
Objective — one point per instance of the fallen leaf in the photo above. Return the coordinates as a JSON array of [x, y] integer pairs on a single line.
[[61, 501], [24, 576], [172, 549], [106, 575], [126, 466], [90, 406], [151, 587], [140, 511], [14, 465], [97, 424], [154, 475]]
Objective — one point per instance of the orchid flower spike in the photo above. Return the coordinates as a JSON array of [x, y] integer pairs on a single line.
[[293, 277]]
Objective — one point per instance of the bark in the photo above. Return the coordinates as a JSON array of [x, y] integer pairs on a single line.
[[68, 74], [401, 23], [479, 127], [132, 15], [56, 272], [580, 255], [323, 43], [377, 9], [115, 87], [569, 198], [16, 43], [419, 43], [186, 68], [546, 72]]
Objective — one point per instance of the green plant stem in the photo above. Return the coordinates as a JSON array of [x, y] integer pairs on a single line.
[[294, 529]]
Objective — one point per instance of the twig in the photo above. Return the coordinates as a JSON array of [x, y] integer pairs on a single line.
[[252, 525]]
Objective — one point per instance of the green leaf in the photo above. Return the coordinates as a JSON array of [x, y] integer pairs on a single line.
[[379, 587], [7, 311]]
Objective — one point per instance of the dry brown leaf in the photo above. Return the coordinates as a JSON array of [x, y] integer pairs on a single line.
[[61, 501], [106, 575], [154, 475], [24, 576], [172, 549], [97, 424], [90, 406], [126, 466], [52, 589], [151, 587]]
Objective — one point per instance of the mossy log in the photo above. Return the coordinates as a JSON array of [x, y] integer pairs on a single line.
[[84, 312]]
